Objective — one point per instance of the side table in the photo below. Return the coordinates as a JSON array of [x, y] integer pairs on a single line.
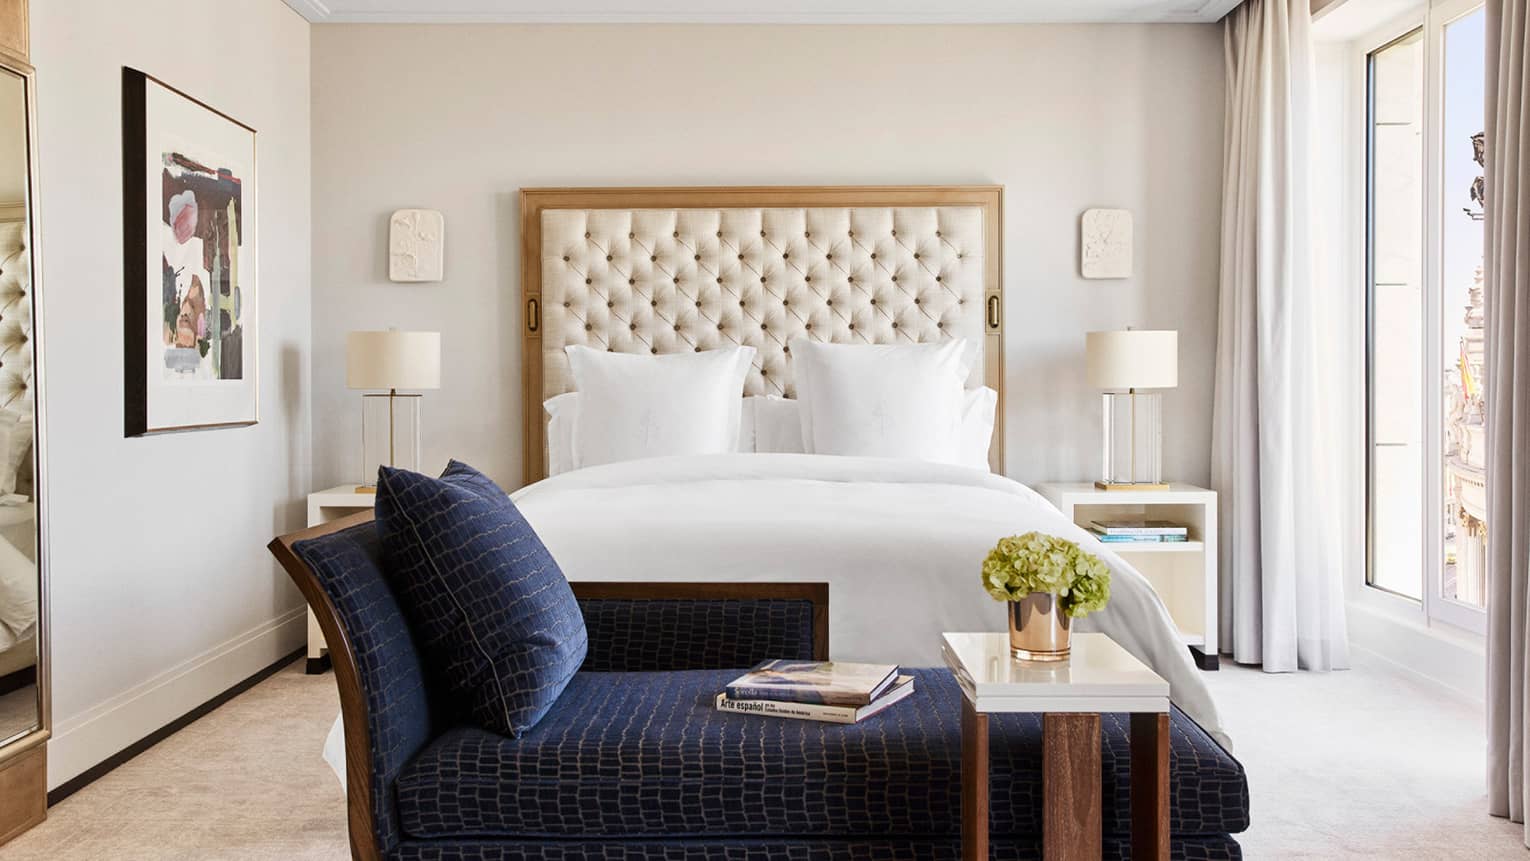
[[1099, 676], [324, 506]]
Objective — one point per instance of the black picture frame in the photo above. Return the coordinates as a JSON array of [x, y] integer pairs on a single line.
[[136, 236]]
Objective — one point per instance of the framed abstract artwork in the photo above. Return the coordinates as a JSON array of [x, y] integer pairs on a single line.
[[190, 283]]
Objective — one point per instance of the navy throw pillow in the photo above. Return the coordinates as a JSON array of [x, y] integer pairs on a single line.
[[493, 615]]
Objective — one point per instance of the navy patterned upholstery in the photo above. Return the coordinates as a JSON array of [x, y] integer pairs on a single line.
[[630, 755], [348, 565], [492, 612], [682, 765], [685, 634], [1218, 848]]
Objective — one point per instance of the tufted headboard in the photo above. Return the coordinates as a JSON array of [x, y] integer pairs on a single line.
[[664, 270]]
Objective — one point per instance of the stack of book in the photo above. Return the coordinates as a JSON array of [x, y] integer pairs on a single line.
[[831, 691], [1138, 531]]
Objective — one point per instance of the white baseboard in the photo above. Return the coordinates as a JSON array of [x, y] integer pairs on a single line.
[[86, 739], [1455, 660]]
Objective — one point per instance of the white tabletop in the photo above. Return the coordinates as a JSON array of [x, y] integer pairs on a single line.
[[1098, 676], [344, 495], [1177, 492]]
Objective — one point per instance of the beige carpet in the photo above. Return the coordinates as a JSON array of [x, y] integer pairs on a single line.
[[1368, 763], [244, 782]]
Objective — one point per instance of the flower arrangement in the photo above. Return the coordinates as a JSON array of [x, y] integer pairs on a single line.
[[1037, 562]]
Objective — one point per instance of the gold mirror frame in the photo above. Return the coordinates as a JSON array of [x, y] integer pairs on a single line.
[[20, 743]]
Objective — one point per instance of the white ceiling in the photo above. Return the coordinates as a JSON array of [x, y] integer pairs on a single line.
[[761, 11]]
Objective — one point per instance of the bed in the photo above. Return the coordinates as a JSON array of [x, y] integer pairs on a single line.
[[680, 270], [660, 271]]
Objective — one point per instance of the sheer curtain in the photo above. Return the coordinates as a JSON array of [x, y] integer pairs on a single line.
[[1276, 420], [1506, 284]]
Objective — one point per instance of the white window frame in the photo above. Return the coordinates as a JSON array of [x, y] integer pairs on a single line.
[[1434, 610]]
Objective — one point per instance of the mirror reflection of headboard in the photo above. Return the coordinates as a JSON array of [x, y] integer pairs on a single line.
[[15, 359], [660, 270]]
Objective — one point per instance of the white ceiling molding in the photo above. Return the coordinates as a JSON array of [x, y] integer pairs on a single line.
[[760, 11], [314, 10]]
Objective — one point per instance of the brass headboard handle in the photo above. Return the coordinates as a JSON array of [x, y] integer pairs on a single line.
[[533, 314], [993, 313]]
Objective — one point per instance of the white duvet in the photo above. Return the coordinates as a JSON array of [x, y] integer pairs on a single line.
[[900, 544]]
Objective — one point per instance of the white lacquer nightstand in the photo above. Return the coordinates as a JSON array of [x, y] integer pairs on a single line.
[[1184, 574], [324, 506]]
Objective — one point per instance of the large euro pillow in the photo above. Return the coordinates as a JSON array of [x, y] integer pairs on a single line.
[[777, 425], [634, 406], [563, 417], [489, 608], [882, 400]]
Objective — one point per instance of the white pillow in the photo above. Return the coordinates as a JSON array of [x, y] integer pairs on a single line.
[[881, 400], [15, 443], [976, 434], [777, 424], [633, 407], [562, 414]]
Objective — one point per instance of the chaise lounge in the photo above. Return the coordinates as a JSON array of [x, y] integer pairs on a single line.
[[633, 762]]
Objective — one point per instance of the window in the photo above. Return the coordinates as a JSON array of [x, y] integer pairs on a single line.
[[1423, 261], [1396, 274], [1463, 575]]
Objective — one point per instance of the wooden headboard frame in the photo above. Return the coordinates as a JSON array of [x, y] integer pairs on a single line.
[[536, 201]]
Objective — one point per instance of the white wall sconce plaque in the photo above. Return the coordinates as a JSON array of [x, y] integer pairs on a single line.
[[1105, 243], [415, 240]]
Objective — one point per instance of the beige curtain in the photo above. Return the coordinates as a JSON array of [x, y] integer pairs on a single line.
[[1272, 459], [1507, 300]]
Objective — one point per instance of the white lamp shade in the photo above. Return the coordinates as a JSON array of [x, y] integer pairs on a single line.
[[393, 360], [1133, 359]]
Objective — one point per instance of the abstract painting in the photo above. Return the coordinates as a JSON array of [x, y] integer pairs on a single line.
[[190, 273]]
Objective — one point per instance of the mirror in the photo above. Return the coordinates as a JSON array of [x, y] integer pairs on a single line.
[[22, 704]]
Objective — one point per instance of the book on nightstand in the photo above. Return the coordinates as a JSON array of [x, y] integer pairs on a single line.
[[1103, 538], [902, 687], [827, 683], [1138, 528]]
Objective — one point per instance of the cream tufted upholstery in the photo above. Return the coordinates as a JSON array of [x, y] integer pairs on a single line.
[[16, 346], [681, 280]]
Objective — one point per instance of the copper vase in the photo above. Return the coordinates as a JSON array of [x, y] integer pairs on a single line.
[[1038, 628]]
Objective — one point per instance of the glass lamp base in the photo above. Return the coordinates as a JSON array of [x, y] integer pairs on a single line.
[[390, 435], [1133, 453]]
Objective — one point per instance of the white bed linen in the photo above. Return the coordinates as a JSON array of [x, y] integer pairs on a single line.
[[900, 544], [18, 573]]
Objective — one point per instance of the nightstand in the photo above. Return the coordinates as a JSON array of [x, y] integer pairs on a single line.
[[1184, 574], [324, 506]]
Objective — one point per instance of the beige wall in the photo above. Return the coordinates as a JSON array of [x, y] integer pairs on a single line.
[[163, 593], [459, 118]]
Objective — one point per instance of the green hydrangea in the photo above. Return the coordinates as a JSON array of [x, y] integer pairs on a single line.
[[1037, 562]]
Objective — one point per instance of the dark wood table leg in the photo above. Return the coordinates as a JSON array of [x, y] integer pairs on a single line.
[[1150, 786], [1070, 786], [974, 783]]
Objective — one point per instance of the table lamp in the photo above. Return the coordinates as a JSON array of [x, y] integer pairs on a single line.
[[391, 360], [1122, 363]]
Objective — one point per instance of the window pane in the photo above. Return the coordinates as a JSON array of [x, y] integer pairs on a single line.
[[1463, 577], [1395, 224]]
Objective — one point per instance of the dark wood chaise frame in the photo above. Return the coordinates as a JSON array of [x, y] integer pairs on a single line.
[[358, 745]]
